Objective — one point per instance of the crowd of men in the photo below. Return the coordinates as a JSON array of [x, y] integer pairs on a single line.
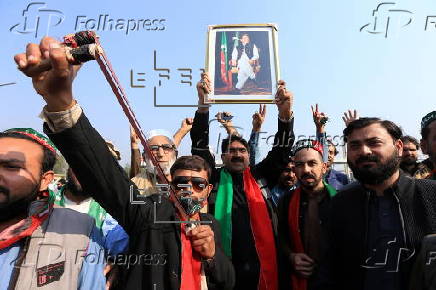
[[285, 221]]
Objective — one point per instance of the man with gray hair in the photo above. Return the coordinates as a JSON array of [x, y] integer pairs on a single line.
[[163, 147]]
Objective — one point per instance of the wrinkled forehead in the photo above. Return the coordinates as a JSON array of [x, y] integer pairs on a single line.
[[160, 140]]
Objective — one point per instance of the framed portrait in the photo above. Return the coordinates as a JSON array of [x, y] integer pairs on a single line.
[[242, 62]]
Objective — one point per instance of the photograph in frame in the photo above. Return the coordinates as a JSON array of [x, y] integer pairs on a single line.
[[242, 63]]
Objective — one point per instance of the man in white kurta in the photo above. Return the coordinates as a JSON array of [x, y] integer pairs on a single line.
[[244, 56]]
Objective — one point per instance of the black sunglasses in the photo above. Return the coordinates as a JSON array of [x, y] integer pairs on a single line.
[[181, 182]]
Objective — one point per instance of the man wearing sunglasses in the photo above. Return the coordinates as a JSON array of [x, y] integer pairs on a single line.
[[241, 200], [163, 253]]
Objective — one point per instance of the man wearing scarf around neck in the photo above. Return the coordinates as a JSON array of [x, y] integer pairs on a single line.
[[303, 214], [241, 200], [163, 254], [40, 243]]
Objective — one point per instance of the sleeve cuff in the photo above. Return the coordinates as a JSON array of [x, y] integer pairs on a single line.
[[59, 121], [288, 120]]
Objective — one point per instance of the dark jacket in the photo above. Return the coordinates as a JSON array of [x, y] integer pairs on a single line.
[[424, 270], [285, 241], [155, 247], [348, 229], [265, 172]]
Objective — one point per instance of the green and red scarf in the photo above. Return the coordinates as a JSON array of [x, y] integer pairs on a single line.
[[39, 211], [263, 233]]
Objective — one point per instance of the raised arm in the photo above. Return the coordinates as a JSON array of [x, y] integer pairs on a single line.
[[350, 116], [82, 146], [225, 119], [200, 126], [283, 139], [253, 142], [183, 131], [320, 119], [135, 154]]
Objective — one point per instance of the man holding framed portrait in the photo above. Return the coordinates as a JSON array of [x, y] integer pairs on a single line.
[[241, 200]]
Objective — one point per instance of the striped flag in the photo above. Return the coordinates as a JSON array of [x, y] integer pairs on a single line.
[[224, 65]]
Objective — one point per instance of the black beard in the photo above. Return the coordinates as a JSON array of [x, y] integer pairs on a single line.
[[377, 174], [18, 207], [307, 186], [407, 162]]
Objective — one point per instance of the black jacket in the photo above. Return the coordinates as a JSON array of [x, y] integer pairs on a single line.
[[155, 248], [347, 247], [266, 173], [285, 240]]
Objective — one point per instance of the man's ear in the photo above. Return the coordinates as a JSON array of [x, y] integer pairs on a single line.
[[324, 168], [46, 179], [399, 145], [209, 189], [424, 148]]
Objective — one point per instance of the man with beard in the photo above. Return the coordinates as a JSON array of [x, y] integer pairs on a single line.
[[163, 252], [39, 243], [303, 214], [286, 184], [163, 149], [428, 142], [376, 225], [241, 201], [409, 159]]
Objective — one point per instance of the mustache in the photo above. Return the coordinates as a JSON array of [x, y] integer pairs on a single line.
[[4, 190], [367, 158], [237, 159], [307, 175]]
